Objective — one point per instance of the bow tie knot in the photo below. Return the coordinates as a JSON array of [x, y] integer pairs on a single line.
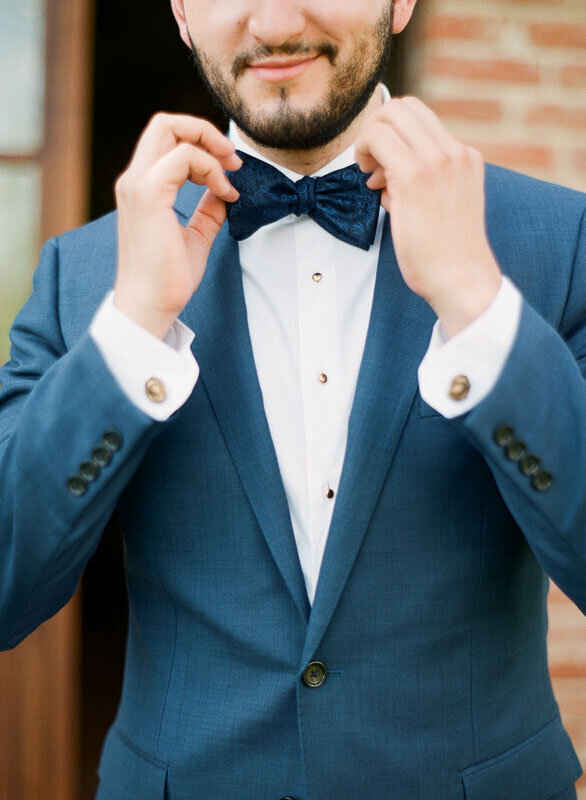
[[340, 202], [305, 195]]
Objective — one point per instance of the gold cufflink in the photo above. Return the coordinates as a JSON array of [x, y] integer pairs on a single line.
[[460, 388], [155, 390]]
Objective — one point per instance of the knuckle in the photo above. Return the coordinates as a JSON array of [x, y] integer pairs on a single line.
[[121, 186], [160, 119], [378, 129], [440, 160], [184, 150], [475, 155], [461, 153]]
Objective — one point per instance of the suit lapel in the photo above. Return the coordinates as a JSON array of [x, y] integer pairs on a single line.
[[398, 336], [222, 347]]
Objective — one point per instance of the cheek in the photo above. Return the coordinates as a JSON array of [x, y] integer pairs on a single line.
[[345, 20], [217, 27]]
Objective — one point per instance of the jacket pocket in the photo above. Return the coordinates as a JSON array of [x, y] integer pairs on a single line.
[[536, 769], [127, 772]]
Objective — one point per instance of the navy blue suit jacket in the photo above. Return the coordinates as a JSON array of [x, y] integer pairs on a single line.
[[430, 612]]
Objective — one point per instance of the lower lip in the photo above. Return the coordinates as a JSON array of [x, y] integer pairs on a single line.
[[277, 74]]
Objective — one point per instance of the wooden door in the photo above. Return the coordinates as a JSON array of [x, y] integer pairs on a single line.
[[45, 62]]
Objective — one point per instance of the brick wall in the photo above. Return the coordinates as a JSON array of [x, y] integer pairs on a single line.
[[509, 77]]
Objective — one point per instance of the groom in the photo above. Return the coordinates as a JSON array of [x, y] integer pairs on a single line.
[[336, 396]]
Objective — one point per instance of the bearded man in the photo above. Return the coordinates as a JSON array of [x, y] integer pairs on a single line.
[[329, 371]]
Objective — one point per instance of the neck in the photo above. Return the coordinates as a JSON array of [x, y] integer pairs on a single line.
[[306, 162]]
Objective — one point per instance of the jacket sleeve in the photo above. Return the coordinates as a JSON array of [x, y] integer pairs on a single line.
[[531, 429], [59, 409]]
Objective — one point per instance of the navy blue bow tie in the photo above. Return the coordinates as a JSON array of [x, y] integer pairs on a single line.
[[340, 202]]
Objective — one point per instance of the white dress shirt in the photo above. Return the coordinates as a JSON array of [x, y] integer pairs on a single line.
[[308, 300]]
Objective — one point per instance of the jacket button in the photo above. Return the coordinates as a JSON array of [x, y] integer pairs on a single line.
[[530, 465], [542, 481], [516, 450], [76, 485], [113, 440], [504, 435], [101, 455], [460, 388], [314, 674], [89, 470]]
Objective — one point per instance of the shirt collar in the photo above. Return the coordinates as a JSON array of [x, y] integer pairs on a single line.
[[342, 160]]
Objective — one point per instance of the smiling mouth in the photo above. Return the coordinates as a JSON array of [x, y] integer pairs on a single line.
[[275, 70]]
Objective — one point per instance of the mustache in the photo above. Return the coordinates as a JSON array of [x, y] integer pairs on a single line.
[[242, 61]]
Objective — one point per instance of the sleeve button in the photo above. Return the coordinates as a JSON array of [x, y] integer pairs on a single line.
[[112, 439], [460, 388], [542, 481], [504, 435], [516, 450], [89, 471], [101, 455], [530, 465], [76, 485], [155, 390]]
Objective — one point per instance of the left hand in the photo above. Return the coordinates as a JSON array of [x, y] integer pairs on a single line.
[[433, 188]]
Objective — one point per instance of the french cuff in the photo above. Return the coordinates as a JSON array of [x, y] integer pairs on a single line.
[[456, 374], [156, 375]]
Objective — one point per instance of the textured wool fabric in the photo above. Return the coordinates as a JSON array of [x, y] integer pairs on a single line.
[[430, 610]]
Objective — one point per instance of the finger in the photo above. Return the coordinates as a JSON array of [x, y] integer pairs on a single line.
[[377, 180], [231, 163], [365, 162], [165, 131], [434, 125], [208, 217], [411, 128], [187, 162], [381, 142], [385, 200]]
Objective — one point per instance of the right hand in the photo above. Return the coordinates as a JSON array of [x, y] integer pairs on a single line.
[[161, 263]]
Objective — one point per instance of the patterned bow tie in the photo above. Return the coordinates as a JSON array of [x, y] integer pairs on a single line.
[[340, 202]]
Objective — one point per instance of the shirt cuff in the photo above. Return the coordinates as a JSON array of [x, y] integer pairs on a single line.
[[156, 375], [457, 374]]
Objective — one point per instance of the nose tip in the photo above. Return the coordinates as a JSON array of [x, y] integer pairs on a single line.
[[274, 24]]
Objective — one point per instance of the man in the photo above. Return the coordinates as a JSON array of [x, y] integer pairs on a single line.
[[336, 581]]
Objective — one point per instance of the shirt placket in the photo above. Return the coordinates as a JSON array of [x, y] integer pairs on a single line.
[[321, 378]]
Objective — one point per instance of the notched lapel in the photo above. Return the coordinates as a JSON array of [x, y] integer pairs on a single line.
[[398, 336], [223, 349]]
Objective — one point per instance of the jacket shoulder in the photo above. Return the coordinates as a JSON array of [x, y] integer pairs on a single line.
[[531, 198]]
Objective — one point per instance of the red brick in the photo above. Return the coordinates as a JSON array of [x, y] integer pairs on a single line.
[[573, 75], [485, 69], [517, 156], [556, 115], [486, 110], [438, 27], [558, 34]]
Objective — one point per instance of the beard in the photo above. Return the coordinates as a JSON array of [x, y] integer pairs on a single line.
[[289, 128]]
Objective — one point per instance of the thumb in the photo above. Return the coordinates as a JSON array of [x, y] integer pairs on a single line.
[[208, 217]]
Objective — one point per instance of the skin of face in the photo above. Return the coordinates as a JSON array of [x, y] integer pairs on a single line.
[[298, 76]]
